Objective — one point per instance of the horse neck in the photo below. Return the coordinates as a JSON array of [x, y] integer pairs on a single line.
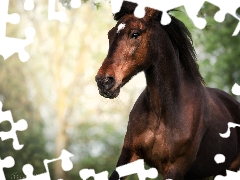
[[165, 79]]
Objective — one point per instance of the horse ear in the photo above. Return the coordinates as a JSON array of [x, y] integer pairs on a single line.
[[151, 14]]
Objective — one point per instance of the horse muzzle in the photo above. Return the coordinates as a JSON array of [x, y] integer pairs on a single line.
[[106, 87]]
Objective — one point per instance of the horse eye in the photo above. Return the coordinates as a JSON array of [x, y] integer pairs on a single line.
[[134, 35]]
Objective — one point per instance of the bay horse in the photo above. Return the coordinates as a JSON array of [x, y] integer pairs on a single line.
[[175, 123]]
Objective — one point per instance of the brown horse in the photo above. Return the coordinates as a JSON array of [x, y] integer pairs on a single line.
[[175, 123]]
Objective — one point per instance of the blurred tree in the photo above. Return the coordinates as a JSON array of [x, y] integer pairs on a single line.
[[14, 95], [63, 69]]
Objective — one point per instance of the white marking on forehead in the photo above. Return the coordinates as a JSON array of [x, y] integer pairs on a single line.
[[120, 27]]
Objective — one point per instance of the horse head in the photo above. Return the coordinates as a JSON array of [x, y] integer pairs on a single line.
[[130, 50]]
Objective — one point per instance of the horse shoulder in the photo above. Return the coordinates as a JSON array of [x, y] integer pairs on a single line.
[[139, 134], [140, 112]]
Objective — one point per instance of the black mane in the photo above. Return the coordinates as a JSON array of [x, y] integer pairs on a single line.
[[180, 37]]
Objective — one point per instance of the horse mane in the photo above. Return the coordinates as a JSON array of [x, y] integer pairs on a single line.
[[180, 37]]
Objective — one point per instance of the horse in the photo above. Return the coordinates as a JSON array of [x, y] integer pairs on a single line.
[[175, 123]]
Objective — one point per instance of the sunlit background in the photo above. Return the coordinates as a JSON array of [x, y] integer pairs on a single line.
[[55, 90]]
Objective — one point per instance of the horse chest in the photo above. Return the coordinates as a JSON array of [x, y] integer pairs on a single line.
[[153, 143], [156, 140]]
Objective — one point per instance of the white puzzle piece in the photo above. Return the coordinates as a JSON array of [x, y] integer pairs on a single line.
[[137, 167], [228, 132], [230, 176], [53, 15], [87, 173], [7, 162], [20, 125], [9, 46], [28, 5], [236, 89], [67, 165]]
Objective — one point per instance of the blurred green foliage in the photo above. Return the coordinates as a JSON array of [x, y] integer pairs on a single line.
[[221, 66], [14, 96]]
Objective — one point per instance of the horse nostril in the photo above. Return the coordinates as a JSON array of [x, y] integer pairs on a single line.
[[108, 82], [105, 83]]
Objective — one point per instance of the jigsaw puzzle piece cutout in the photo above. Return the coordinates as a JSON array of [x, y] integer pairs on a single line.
[[226, 7], [5, 17], [192, 9], [158, 5], [219, 158], [87, 173], [20, 125], [230, 176], [75, 4], [28, 171], [54, 15], [28, 5], [237, 30], [137, 167], [9, 46], [236, 89], [13, 18], [116, 5], [7, 162], [165, 7], [67, 165], [235, 22], [228, 132]]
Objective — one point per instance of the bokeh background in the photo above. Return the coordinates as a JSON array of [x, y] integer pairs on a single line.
[[55, 90]]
